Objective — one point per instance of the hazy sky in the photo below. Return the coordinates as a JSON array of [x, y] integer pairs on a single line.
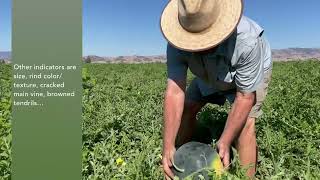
[[127, 27], [5, 25]]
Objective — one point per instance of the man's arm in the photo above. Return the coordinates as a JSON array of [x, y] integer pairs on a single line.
[[173, 108], [237, 116], [249, 73], [173, 105], [236, 120]]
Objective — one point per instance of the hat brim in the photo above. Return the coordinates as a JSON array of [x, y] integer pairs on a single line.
[[228, 17]]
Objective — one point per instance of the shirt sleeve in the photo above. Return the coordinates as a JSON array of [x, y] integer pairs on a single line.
[[249, 70], [176, 67]]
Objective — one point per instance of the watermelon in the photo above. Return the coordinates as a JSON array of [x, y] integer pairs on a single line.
[[194, 159]]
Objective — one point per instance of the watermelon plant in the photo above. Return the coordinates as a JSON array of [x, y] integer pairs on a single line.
[[122, 123], [123, 119], [5, 121]]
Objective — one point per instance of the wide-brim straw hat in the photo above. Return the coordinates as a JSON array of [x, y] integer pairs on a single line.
[[198, 25]]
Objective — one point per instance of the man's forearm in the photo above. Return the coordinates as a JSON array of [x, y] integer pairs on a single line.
[[173, 108], [237, 117]]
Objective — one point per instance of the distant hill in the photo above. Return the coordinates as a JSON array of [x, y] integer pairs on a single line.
[[126, 59], [277, 54], [5, 55], [296, 53]]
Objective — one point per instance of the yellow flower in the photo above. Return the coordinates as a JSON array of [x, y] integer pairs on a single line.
[[120, 162], [217, 165]]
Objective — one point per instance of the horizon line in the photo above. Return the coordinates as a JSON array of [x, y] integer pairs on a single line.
[[84, 54]]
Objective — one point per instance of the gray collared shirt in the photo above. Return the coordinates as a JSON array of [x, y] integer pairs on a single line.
[[237, 63]]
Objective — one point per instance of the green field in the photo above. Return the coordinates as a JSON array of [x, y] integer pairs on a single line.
[[122, 113]]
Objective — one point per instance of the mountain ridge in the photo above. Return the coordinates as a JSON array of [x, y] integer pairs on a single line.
[[287, 54], [5, 54]]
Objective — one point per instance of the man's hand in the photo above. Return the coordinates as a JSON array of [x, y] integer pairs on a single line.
[[224, 153], [167, 160]]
